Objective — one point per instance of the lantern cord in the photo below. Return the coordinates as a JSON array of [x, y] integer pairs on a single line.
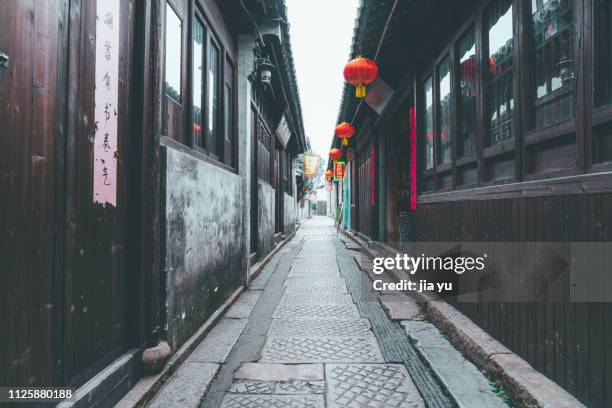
[[382, 36], [380, 42], [246, 10]]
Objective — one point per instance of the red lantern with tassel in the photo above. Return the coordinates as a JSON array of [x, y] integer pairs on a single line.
[[329, 174], [360, 72], [345, 131], [335, 154]]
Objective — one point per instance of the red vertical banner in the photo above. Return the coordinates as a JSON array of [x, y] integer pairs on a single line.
[[413, 166], [372, 176], [339, 171]]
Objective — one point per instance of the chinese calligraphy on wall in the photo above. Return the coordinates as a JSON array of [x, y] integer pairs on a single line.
[[106, 99]]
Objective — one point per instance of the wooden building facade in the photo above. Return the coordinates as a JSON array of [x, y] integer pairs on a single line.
[[514, 144], [129, 134]]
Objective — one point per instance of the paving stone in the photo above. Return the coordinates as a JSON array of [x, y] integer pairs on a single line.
[[424, 332], [461, 378], [364, 262], [330, 266], [303, 310], [217, 345], [279, 372], [260, 282], [316, 260], [320, 289], [321, 250], [244, 305], [252, 387], [352, 246], [301, 387], [321, 349], [306, 271], [338, 298], [401, 309], [370, 385], [186, 386], [291, 282], [271, 387], [272, 401], [319, 327]]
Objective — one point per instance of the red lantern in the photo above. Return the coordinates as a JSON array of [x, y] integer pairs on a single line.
[[345, 131], [329, 174], [335, 154], [360, 72]]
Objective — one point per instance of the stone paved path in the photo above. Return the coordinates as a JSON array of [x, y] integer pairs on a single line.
[[310, 332], [317, 325]]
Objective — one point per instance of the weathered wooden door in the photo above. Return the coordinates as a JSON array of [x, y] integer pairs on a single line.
[[99, 236], [66, 274]]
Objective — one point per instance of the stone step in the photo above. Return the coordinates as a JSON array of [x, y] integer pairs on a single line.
[[464, 382], [401, 307]]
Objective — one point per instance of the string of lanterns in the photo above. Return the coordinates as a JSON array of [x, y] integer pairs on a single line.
[[358, 72]]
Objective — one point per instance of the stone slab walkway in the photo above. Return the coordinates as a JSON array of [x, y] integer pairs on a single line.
[[299, 338]]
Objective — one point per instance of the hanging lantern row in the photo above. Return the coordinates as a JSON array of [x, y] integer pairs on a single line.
[[360, 72], [345, 131]]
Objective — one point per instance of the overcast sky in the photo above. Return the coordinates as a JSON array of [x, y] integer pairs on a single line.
[[321, 35]]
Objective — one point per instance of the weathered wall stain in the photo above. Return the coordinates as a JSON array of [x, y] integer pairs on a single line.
[[265, 230], [204, 247], [289, 216]]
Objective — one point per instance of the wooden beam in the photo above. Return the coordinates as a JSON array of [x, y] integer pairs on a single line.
[[578, 184]]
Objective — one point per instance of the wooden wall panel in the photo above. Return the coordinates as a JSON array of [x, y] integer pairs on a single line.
[[30, 36], [566, 341]]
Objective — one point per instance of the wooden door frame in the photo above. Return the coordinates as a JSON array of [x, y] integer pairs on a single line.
[[144, 122], [147, 123]]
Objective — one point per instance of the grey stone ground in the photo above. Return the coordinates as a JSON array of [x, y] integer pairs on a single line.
[[298, 338]]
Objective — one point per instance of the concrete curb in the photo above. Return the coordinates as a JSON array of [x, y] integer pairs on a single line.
[[144, 390], [527, 386]]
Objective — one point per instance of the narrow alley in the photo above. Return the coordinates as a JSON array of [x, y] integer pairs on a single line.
[[310, 332], [290, 203]]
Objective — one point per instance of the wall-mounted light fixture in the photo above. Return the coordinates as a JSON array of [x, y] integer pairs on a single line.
[[264, 71]]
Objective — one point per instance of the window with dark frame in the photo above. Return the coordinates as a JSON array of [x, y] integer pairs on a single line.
[[549, 91], [602, 46], [215, 141], [551, 61], [444, 111], [500, 73], [429, 124], [199, 47], [206, 120], [466, 98], [174, 41], [228, 113], [602, 81]]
